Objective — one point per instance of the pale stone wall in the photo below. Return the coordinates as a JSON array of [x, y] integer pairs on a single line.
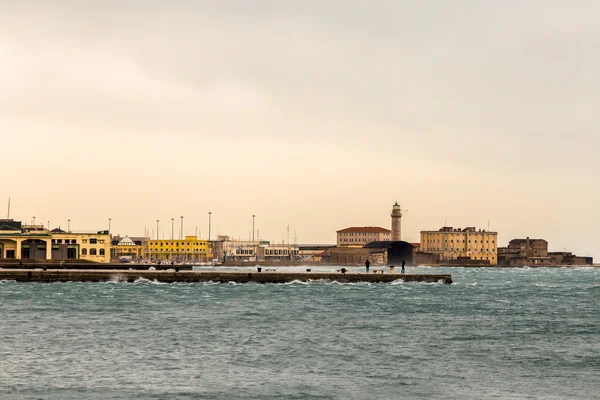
[[359, 239], [92, 246], [455, 244]]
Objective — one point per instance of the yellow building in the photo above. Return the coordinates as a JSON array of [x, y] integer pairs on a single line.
[[85, 245], [190, 249], [18, 243], [467, 243], [360, 236], [126, 247], [34, 242]]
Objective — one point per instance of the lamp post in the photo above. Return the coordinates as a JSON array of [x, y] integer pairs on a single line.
[[69, 226], [209, 218], [34, 220], [172, 222], [48, 225], [253, 242], [157, 221], [181, 233], [110, 219]]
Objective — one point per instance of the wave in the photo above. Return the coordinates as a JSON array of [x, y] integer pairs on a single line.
[[148, 281]]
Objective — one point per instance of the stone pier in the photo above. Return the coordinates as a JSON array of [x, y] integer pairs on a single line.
[[170, 276]]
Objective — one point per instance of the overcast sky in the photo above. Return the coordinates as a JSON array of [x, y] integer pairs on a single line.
[[314, 114]]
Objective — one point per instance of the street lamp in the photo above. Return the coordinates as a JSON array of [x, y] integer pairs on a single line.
[[209, 217], [253, 216], [157, 221], [181, 233], [110, 219], [69, 226], [34, 220], [172, 221]]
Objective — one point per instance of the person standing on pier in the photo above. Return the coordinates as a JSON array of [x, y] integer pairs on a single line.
[[367, 265], [403, 264]]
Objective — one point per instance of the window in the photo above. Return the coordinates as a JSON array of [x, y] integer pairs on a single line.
[[92, 252], [93, 241], [101, 252], [84, 252], [58, 240]]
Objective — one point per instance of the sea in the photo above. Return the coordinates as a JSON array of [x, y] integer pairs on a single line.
[[495, 333]]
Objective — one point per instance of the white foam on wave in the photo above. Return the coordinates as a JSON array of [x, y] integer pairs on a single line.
[[397, 282], [296, 281], [114, 279], [3, 281], [148, 281], [546, 285]]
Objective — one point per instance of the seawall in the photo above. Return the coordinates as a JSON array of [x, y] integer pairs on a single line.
[[68, 275]]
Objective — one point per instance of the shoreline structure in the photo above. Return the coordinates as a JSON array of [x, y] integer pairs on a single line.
[[172, 276]]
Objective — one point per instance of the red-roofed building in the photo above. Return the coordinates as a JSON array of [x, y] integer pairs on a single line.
[[359, 236]]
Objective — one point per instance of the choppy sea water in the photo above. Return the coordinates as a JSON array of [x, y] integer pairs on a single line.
[[494, 333]]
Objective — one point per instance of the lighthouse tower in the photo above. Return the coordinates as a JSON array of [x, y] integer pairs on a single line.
[[396, 223]]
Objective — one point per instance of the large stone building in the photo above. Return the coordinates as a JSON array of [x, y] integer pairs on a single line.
[[461, 245], [534, 252], [34, 242], [359, 236], [188, 250], [232, 250], [126, 248]]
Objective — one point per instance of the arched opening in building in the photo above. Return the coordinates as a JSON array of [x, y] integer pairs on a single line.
[[396, 251], [400, 251]]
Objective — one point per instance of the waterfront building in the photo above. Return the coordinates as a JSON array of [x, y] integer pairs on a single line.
[[229, 249], [129, 248], [568, 258], [18, 243], [461, 244], [189, 249], [82, 245], [313, 252], [521, 252], [34, 242], [359, 236], [279, 252]]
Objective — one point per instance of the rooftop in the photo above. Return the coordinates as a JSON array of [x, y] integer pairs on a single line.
[[365, 229]]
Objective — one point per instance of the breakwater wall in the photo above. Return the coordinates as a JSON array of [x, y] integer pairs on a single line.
[[66, 275]]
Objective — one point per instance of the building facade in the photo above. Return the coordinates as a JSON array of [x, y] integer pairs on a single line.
[[190, 249], [17, 242], [461, 244], [129, 249], [534, 252], [359, 236], [90, 246], [529, 247], [34, 242]]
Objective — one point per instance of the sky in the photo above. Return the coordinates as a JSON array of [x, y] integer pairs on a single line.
[[312, 115]]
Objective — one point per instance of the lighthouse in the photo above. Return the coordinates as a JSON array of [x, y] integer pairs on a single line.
[[396, 223]]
